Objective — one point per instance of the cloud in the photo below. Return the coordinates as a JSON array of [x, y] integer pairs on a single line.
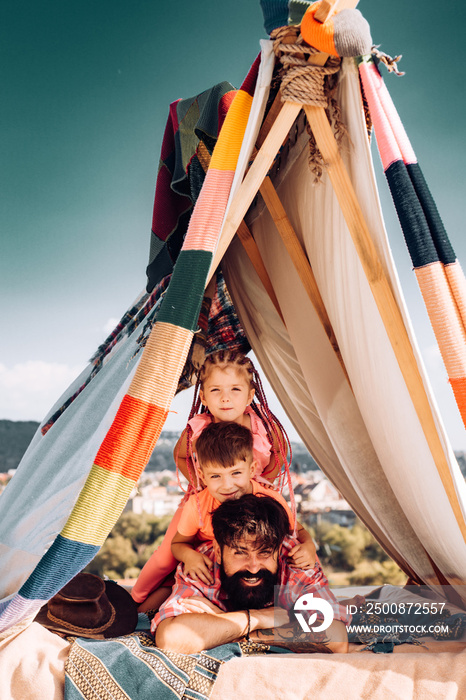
[[28, 390], [433, 358], [110, 325]]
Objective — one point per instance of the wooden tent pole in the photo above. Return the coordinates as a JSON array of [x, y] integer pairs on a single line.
[[253, 253], [248, 189], [383, 295], [289, 237], [327, 8]]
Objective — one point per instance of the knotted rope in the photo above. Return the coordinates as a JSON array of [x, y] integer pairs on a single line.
[[302, 82], [310, 84]]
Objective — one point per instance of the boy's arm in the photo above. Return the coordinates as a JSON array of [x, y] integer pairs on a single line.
[[304, 553], [196, 565]]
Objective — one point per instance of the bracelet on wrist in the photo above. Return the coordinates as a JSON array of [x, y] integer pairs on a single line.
[[249, 625]]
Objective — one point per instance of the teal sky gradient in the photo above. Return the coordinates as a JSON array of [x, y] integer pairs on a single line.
[[85, 94]]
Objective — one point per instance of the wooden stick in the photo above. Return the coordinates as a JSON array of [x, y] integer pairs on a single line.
[[269, 120], [250, 246], [254, 177], [386, 303], [327, 8], [248, 242], [300, 261]]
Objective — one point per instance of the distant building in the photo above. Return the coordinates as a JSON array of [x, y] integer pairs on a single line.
[[318, 500], [157, 493]]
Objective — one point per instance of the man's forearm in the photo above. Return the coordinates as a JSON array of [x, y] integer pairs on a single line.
[[194, 632], [292, 637]]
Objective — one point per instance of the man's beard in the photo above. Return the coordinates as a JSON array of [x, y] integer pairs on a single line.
[[243, 596]]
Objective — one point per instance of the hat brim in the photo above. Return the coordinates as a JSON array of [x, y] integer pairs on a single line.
[[126, 616]]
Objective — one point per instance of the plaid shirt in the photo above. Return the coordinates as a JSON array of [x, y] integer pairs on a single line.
[[292, 583]]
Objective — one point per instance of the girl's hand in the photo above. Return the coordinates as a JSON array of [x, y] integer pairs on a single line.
[[199, 567], [197, 604], [265, 482], [304, 555]]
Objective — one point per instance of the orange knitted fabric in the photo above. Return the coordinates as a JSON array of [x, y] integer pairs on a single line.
[[317, 34]]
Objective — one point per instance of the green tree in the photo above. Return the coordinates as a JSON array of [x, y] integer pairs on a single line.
[[374, 573], [115, 557], [141, 529], [129, 545], [356, 551], [344, 546]]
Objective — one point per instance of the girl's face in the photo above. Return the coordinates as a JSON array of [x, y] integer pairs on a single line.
[[226, 392]]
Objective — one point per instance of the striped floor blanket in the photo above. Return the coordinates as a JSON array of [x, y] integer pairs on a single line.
[[133, 667]]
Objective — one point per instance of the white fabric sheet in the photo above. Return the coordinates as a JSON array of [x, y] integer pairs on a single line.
[[367, 437]]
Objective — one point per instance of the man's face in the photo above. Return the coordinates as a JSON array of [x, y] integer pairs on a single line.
[[248, 573]]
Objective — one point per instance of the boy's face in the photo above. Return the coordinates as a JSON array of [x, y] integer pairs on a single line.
[[224, 483]]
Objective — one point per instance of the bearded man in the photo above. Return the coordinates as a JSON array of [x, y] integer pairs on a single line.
[[254, 590]]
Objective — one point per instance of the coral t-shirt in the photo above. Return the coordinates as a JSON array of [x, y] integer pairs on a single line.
[[190, 524]]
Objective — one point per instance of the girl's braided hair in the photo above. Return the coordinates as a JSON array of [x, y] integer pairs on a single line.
[[276, 434]]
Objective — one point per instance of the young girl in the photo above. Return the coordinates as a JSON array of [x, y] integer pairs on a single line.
[[229, 390]]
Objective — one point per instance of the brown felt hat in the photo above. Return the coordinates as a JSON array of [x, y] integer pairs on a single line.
[[88, 606]]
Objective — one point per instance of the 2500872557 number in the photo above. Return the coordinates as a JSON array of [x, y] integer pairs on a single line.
[[377, 608]]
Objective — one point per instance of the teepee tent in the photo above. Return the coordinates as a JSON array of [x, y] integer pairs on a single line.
[[314, 286]]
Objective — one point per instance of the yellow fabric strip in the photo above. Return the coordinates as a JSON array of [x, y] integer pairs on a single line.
[[98, 507], [226, 151]]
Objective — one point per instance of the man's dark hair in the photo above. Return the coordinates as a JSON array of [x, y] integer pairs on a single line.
[[224, 444], [259, 516]]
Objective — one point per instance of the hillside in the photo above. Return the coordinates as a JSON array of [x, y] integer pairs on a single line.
[[15, 436]]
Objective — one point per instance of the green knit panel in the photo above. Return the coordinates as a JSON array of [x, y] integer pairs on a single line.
[[183, 298]]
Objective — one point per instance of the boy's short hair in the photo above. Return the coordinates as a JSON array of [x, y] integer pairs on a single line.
[[255, 515], [224, 444]]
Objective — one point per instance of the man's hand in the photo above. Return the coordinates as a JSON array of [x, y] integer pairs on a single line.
[[198, 566], [199, 604], [268, 618], [303, 555]]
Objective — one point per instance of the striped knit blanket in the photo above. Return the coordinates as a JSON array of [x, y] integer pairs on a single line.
[[132, 667]]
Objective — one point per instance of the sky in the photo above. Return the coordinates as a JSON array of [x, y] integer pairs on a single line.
[[85, 94]]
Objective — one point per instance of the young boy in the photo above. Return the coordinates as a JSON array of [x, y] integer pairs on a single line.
[[225, 457]]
